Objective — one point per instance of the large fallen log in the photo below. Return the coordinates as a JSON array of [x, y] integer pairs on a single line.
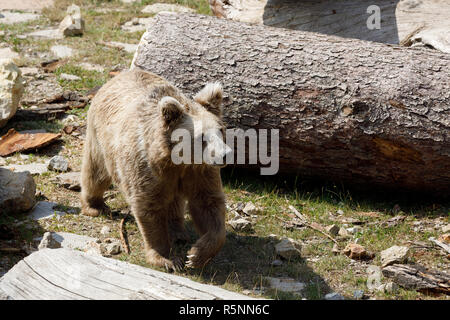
[[346, 109], [418, 278], [64, 274], [401, 22]]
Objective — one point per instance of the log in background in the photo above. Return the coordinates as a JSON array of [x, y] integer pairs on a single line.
[[346, 109]]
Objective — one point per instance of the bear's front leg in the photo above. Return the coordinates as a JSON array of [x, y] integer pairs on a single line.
[[208, 214], [153, 226]]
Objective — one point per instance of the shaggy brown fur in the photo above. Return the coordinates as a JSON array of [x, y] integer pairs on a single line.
[[128, 143]]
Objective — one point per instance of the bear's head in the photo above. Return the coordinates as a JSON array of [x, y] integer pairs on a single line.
[[195, 127]]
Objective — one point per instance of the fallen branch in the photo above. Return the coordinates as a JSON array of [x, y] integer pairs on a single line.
[[444, 246], [123, 235], [303, 219]]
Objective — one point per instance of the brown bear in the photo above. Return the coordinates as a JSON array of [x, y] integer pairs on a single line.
[[129, 143]]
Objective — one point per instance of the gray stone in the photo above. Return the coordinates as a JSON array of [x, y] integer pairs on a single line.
[[135, 25], [340, 212], [165, 7], [286, 284], [240, 224], [112, 248], [288, 248], [128, 47], [389, 287], [92, 67], [33, 168], [48, 242], [354, 230], [17, 191], [446, 228], [277, 263], [69, 77], [58, 163], [358, 294], [69, 180], [52, 34], [61, 51], [9, 17], [333, 229], [44, 210], [105, 230], [250, 209], [374, 278], [73, 241], [25, 5], [73, 23], [8, 53], [29, 71], [334, 296], [11, 90], [395, 254]]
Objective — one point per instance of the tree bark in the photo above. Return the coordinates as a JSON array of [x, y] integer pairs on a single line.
[[346, 109], [64, 274], [407, 22], [418, 278]]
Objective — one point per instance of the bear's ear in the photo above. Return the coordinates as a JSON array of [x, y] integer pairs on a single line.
[[211, 98], [171, 110]]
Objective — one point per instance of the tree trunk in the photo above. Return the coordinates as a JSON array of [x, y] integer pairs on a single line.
[[401, 22], [64, 274], [346, 109]]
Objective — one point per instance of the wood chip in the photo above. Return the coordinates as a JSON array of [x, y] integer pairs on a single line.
[[14, 141]]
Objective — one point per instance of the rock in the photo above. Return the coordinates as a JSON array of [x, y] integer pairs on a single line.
[[340, 212], [285, 284], [335, 249], [11, 90], [129, 1], [446, 228], [374, 278], [92, 67], [105, 230], [165, 7], [73, 23], [135, 25], [240, 224], [25, 5], [69, 180], [33, 168], [48, 242], [334, 296], [277, 263], [128, 47], [112, 248], [250, 209], [44, 210], [357, 252], [17, 191], [343, 233], [354, 230], [389, 287], [58, 163], [71, 240], [9, 17], [29, 71], [333, 229], [7, 53], [288, 248], [69, 77], [51, 34], [395, 254], [444, 238], [61, 51], [358, 294]]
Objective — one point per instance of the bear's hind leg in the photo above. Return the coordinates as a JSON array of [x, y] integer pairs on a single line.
[[154, 229], [208, 213], [177, 230], [94, 182]]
